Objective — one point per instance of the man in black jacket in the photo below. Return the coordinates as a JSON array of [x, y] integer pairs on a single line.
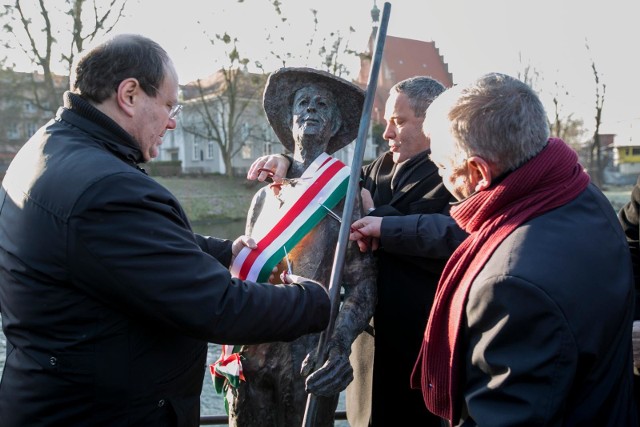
[[629, 217], [108, 297], [400, 182]]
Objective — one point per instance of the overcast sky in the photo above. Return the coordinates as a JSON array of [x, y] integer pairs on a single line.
[[474, 37]]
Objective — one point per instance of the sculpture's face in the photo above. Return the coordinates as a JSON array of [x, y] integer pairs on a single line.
[[315, 113]]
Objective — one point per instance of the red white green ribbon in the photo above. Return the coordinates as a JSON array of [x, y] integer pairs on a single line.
[[227, 371], [323, 183], [282, 224]]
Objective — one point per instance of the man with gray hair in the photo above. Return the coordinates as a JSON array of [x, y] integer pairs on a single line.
[[531, 324]]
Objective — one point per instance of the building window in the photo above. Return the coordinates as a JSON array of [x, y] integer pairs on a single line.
[[267, 133], [31, 129], [29, 107], [268, 148], [195, 156], [12, 131], [246, 152], [210, 149]]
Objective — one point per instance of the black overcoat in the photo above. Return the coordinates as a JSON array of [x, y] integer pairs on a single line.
[[406, 289], [108, 298]]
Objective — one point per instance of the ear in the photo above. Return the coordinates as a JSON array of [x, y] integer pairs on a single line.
[[127, 95], [480, 174], [337, 124]]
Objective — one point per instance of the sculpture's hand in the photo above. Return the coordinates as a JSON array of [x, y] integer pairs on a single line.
[[308, 364], [332, 377]]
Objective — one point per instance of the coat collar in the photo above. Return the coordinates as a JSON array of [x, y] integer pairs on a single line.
[[106, 131]]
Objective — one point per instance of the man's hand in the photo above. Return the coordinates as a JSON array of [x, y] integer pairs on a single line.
[[367, 200], [273, 166], [367, 232], [248, 242], [241, 242], [288, 279]]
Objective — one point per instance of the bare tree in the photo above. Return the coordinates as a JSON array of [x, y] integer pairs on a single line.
[[220, 105], [564, 126], [326, 53], [45, 39], [529, 74], [226, 108], [595, 159], [330, 49]]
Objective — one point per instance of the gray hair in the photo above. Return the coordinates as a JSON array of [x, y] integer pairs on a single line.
[[500, 119], [420, 91]]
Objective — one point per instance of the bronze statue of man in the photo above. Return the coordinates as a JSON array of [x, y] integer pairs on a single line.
[[314, 114]]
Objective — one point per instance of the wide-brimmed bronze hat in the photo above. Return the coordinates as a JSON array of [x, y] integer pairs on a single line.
[[278, 100]]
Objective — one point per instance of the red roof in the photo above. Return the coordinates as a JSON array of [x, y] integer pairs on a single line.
[[403, 58]]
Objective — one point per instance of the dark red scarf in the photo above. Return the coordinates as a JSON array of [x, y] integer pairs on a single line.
[[549, 180]]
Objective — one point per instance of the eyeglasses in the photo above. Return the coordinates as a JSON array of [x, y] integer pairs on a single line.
[[175, 111]]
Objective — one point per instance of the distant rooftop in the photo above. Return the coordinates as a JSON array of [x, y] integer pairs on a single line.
[[628, 134]]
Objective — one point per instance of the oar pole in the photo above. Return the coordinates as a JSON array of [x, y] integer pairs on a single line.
[[352, 192]]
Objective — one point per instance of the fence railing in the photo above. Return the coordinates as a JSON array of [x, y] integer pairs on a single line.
[[221, 420]]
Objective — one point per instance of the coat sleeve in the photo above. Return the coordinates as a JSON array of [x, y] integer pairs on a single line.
[[220, 249], [428, 235], [132, 249]]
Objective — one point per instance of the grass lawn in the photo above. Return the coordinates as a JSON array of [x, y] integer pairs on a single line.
[[618, 196], [212, 198], [218, 198]]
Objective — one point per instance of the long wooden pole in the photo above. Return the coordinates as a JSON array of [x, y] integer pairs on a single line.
[[352, 192]]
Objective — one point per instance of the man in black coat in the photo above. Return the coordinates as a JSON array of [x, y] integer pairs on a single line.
[[108, 297], [629, 217], [532, 319], [400, 182]]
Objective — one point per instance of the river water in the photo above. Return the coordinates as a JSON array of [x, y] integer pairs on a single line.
[[211, 402]]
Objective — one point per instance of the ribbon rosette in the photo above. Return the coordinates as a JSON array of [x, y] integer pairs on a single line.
[[227, 371]]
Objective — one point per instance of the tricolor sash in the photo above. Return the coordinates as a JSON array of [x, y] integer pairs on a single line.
[[278, 230], [283, 222]]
